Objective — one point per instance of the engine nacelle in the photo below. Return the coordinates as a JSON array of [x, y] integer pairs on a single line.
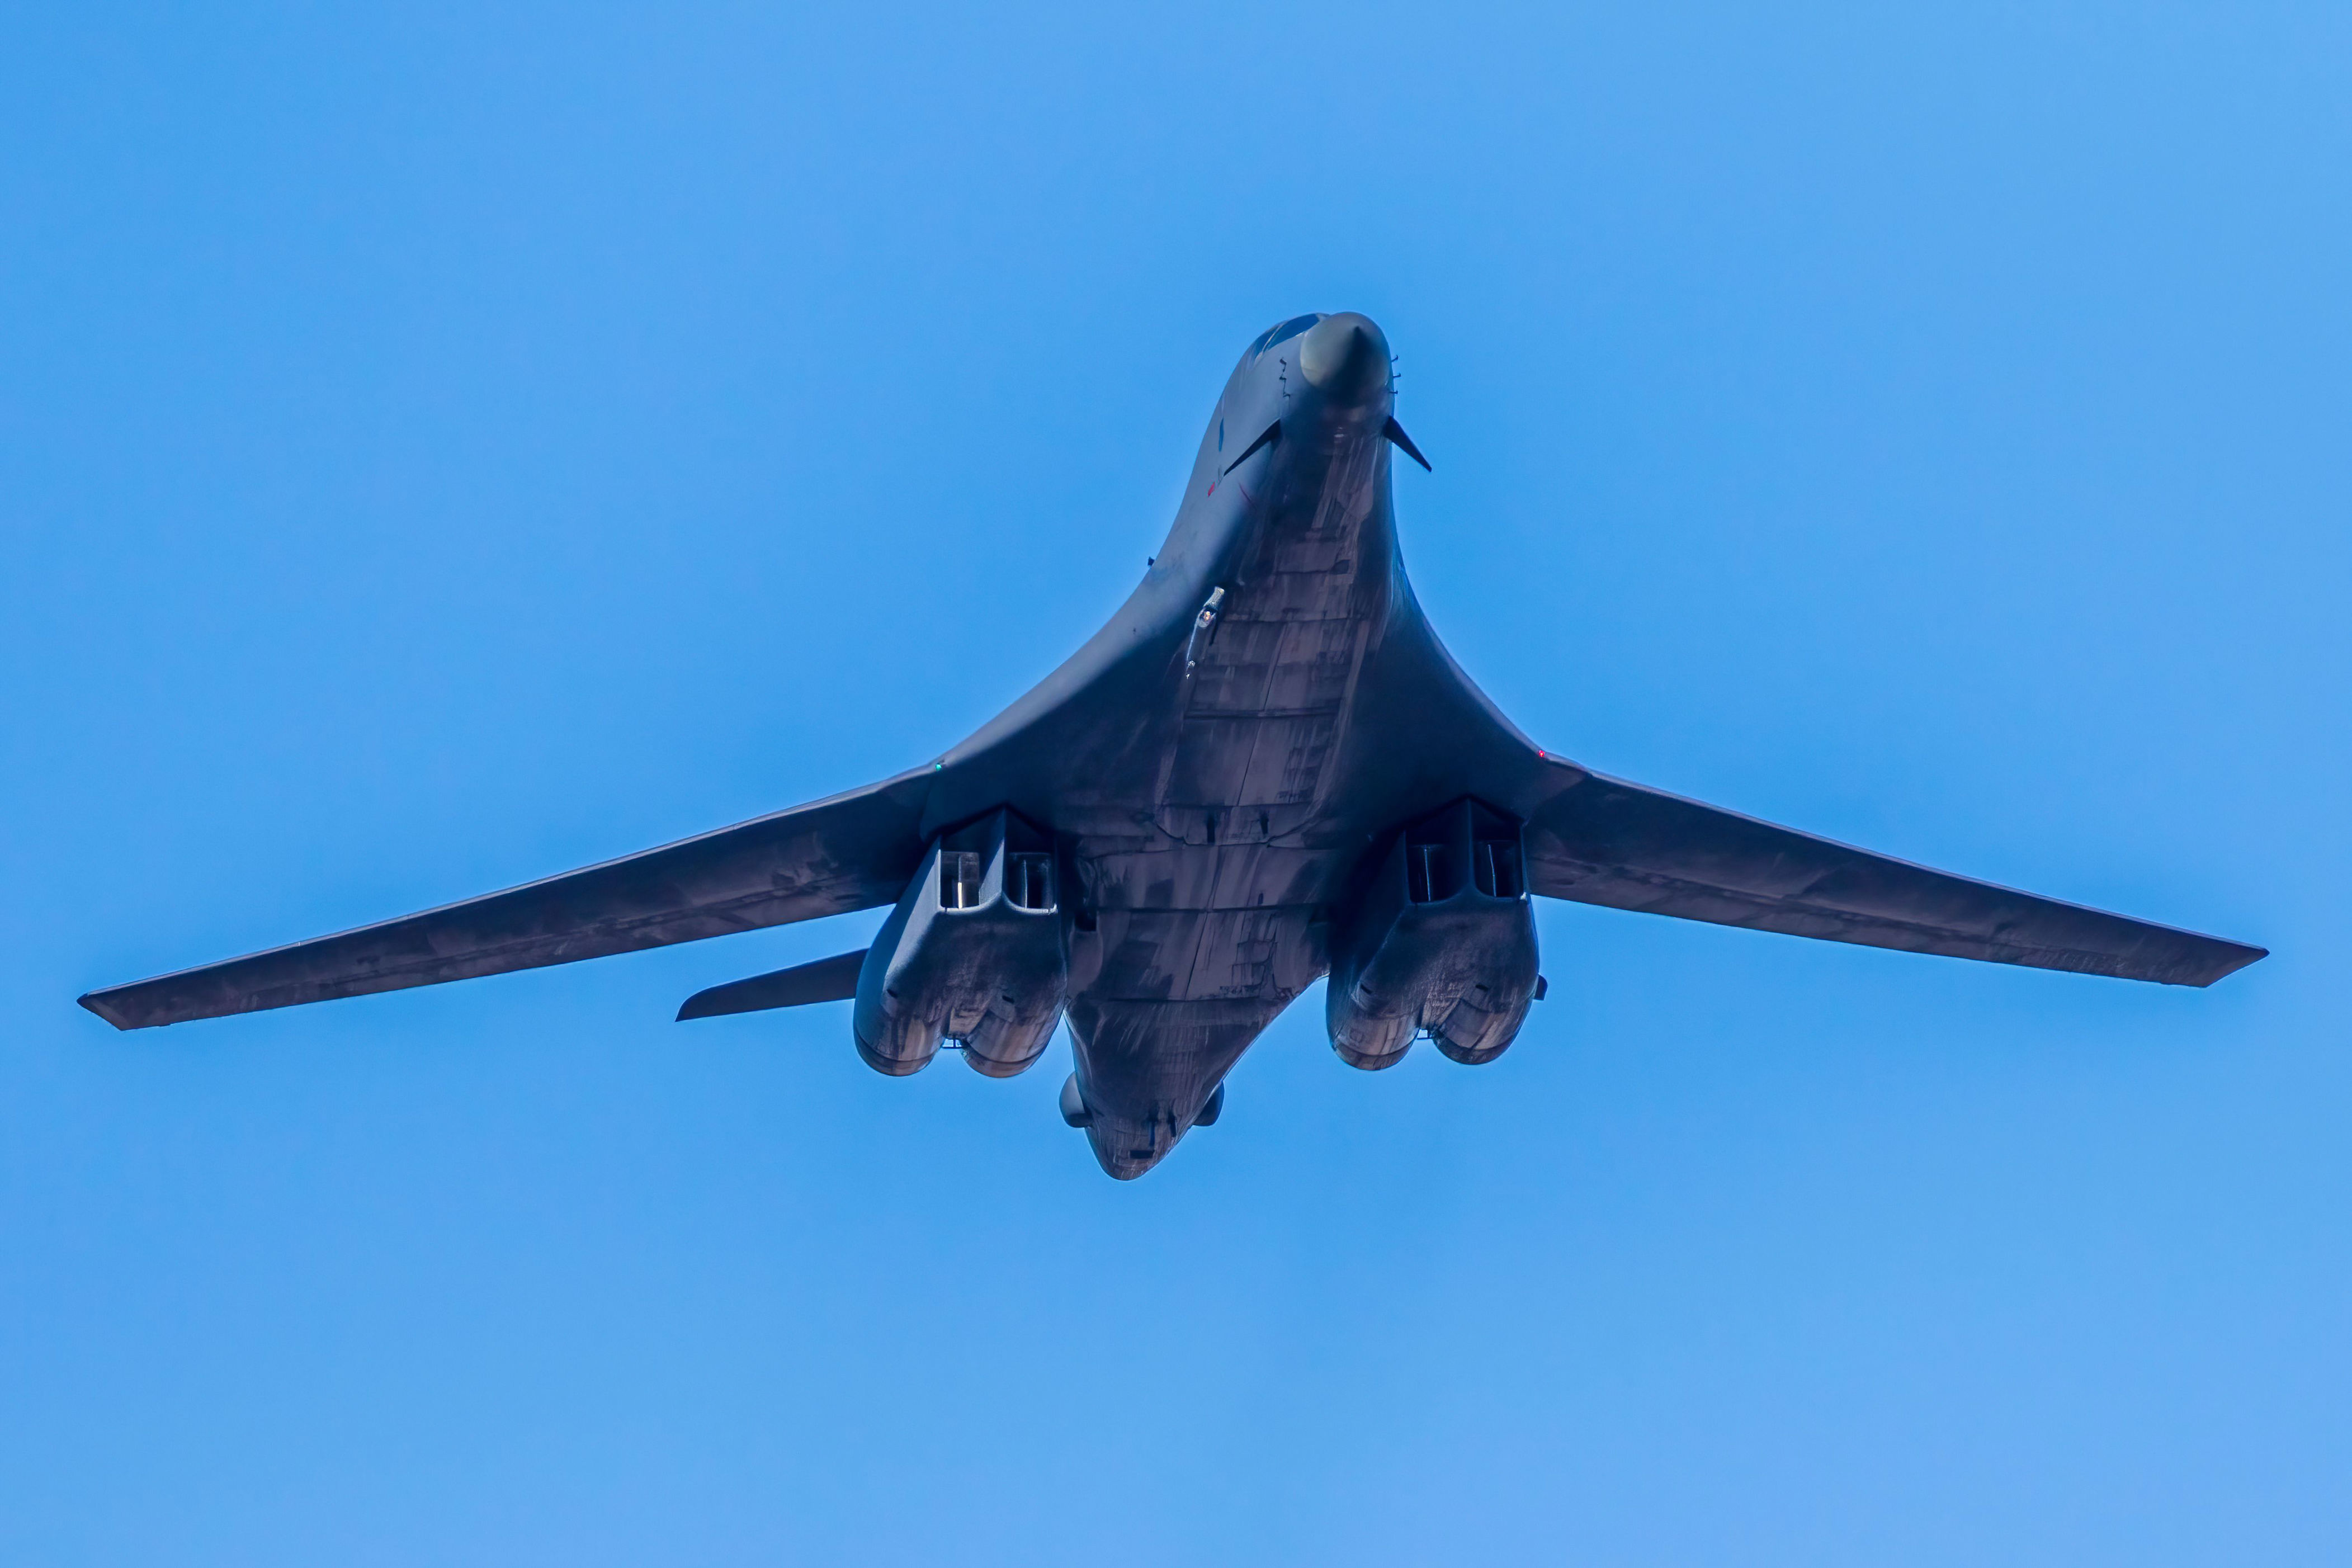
[[973, 952], [1442, 940]]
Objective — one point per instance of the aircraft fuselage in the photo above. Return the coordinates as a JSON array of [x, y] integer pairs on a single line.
[[1210, 830]]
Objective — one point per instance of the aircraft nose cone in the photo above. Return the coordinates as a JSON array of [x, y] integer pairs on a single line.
[[1345, 357]]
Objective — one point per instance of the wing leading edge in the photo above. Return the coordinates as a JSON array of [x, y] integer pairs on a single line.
[[851, 852], [1605, 841]]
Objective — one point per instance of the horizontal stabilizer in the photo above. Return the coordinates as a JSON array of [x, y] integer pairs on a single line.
[[1605, 841], [851, 851], [831, 979]]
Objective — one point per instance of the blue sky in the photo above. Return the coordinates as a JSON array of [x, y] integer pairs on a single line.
[[443, 446]]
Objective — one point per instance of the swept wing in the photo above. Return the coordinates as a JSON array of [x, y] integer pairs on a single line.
[[851, 851], [1606, 841]]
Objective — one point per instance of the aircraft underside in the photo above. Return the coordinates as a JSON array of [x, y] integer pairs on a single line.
[[1206, 928], [1264, 770]]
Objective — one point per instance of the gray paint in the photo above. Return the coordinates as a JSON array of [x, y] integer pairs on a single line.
[[1439, 941], [973, 952], [831, 979], [1224, 769]]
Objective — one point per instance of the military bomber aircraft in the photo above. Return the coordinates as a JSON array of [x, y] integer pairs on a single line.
[[1264, 769]]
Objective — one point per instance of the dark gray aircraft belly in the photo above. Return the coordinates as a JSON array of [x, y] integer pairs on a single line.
[[1210, 922]]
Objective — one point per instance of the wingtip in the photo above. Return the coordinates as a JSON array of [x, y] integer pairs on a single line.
[[2215, 967], [95, 1001], [2244, 958]]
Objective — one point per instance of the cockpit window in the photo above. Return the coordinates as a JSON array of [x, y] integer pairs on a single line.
[[1282, 333]]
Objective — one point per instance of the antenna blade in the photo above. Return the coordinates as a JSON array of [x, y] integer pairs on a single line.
[[1395, 432]]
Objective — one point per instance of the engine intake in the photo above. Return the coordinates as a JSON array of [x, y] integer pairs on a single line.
[[1442, 940], [973, 952]]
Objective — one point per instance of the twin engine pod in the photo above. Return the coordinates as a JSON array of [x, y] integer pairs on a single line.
[[1442, 940], [973, 952]]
